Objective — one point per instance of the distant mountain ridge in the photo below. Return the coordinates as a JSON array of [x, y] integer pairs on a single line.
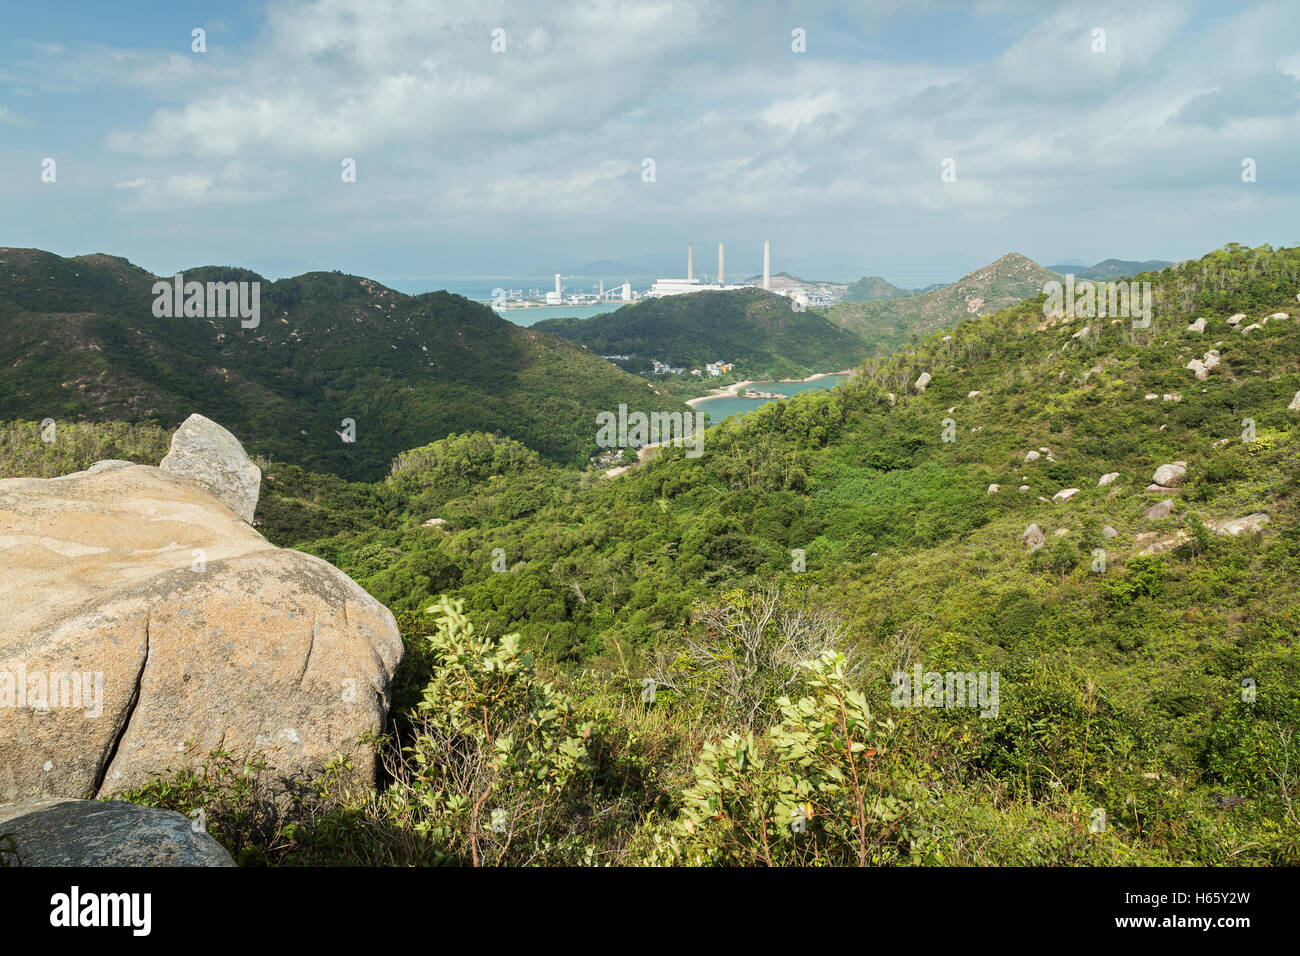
[[1112, 268], [888, 323], [81, 342]]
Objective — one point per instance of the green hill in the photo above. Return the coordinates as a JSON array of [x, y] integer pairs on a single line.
[[1146, 661], [886, 324], [81, 343], [869, 288], [758, 331]]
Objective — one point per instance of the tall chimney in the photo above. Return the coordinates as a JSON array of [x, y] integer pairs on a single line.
[[721, 280], [558, 290], [690, 262], [627, 291], [767, 263]]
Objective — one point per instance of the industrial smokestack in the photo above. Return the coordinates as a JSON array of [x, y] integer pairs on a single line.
[[721, 272], [690, 262], [767, 263], [558, 290], [627, 291]]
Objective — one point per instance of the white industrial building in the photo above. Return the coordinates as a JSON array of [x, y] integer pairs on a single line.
[[664, 287]]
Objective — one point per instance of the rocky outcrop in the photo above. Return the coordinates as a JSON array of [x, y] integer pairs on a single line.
[[922, 381], [1107, 478], [1065, 494], [1034, 537], [1204, 365], [1295, 403], [1250, 523], [205, 453], [106, 833], [157, 625], [1161, 509], [1155, 543], [1198, 326], [1167, 478]]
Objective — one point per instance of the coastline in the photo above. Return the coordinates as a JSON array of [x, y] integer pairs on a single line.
[[733, 391]]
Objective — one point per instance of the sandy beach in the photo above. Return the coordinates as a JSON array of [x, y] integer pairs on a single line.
[[733, 391], [730, 390]]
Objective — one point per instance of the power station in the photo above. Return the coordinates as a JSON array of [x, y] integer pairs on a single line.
[[664, 287], [661, 287]]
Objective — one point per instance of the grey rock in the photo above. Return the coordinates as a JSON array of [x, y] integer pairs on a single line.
[[187, 630], [60, 832], [1034, 537], [1235, 527], [922, 382], [1170, 475], [1107, 478], [1161, 509], [205, 453]]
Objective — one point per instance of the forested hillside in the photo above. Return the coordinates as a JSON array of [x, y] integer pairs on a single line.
[[81, 343], [999, 519], [760, 332]]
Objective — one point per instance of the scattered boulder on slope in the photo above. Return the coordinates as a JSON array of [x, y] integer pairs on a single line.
[[1161, 509], [1065, 494], [1157, 543], [205, 453], [62, 832], [1198, 326], [1250, 523], [1167, 478], [922, 381], [184, 628], [1107, 478], [1034, 537], [1295, 403]]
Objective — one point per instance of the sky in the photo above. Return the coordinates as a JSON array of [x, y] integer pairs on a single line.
[[1061, 142]]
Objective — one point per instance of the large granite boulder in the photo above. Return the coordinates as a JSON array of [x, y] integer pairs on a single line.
[[106, 833], [156, 625], [205, 453]]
